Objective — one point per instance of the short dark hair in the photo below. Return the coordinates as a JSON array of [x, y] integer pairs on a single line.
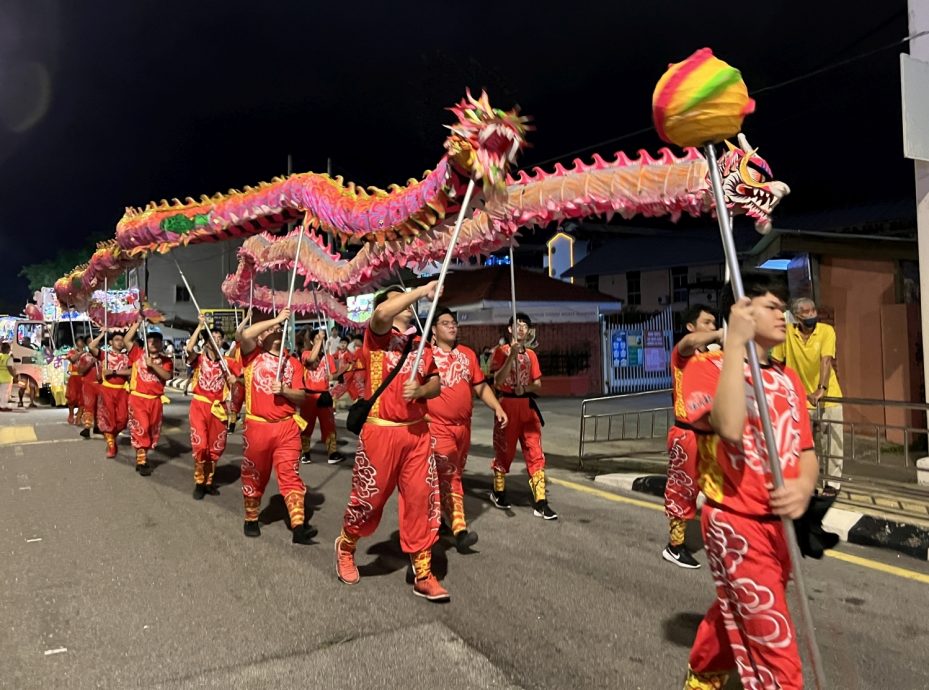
[[217, 329], [444, 311], [520, 316], [384, 294], [158, 335], [343, 339], [756, 284], [692, 313], [113, 334]]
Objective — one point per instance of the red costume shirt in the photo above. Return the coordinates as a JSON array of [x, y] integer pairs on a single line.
[[260, 374], [379, 355], [527, 363], [209, 377], [316, 376], [735, 475], [73, 365], [144, 379], [90, 361], [114, 361], [459, 371]]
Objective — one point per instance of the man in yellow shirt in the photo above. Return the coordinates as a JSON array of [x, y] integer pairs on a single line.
[[810, 351], [7, 373]]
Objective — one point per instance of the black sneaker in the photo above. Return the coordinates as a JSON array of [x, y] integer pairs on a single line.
[[680, 556], [85, 433], [498, 498], [464, 540], [230, 428], [199, 491], [252, 528], [336, 458], [305, 458], [543, 510], [144, 469], [212, 490], [304, 534], [97, 430], [444, 529]]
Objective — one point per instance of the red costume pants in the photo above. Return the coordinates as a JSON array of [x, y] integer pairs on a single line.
[[276, 445], [390, 457], [90, 390], [207, 432], [681, 489], [451, 443], [326, 415], [524, 426], [145, 415], [748, 627], [74, 393], [238, 398], [112, 409]]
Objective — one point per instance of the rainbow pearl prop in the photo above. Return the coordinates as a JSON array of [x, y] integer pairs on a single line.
[[700, 100]]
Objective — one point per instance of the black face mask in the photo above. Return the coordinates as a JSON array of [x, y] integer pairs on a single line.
[[810, 322]]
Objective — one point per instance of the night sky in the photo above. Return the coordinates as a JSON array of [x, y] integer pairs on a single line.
[[109, 104]]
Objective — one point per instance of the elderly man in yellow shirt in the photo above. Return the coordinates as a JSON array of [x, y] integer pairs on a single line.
[[810, 351]]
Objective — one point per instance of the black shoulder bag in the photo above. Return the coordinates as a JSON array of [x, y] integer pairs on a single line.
[[361, 408]]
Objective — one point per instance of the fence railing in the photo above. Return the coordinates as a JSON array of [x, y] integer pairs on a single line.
[[877, 443], [622, 424]]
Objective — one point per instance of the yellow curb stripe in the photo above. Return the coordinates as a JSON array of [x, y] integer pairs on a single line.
[[882, 567], [16, 434], [847, 557]]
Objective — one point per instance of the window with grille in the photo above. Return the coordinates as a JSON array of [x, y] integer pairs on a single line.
[[181, 294], [633, 288], [679, 284]]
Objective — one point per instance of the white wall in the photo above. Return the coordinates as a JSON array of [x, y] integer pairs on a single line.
[[205, 265], [656, 285]]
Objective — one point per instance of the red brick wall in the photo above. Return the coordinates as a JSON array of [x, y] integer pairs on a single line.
[[552, 337]]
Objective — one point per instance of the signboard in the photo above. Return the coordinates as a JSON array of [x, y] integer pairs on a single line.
[[914, 87], [656, 356], [619, 349]]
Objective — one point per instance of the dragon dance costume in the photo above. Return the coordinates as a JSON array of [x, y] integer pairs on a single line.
[[146, 408], [316, 381], [113, 398], [208, 420]]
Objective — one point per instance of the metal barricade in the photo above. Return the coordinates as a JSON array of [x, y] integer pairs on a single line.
[[868, 442], [618, 420]]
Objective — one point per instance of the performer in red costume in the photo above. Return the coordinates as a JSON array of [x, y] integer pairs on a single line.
[[88, 368], [450, 419], [74, 393], [151, 368], [208, 411], [517, 378], [113, 397], [272, 425], [680, 495], [394, 446], [319, 370], [748, 627]]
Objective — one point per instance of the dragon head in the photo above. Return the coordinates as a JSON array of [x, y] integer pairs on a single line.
[[485, 141], [748, 184]]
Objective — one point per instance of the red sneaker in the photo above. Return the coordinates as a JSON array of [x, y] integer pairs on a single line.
[[345, 566], [430, 588]]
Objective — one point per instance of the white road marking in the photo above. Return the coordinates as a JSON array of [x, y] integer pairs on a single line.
[[25, 488], [57, 650], [33, 540]]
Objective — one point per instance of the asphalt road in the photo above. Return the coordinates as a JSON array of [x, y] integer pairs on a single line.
[[118, 581]]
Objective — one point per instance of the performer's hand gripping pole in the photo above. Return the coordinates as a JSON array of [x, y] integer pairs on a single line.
[[774, 462], [325, 330], [290, 297], [209, 331], [442, 273]]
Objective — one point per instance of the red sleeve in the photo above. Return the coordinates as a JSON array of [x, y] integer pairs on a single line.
[[535, 372], [498, 359], [235, 367], [299, 375], [333, 365], [168, 365], [429, 367], [247, 359], [373, 341], [477, 376], [701, 375], [135, 353], [305, 357], [806, 428]]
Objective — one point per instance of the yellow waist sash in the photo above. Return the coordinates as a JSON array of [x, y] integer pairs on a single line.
[[377, 421], [116, 386], [217, 409], [164, 398], [300, 421]]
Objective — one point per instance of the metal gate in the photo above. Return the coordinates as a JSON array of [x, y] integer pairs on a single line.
[[637, 356]]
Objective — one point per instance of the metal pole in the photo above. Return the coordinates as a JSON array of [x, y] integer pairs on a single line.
[[325, 334], [290, 296], [442, 273], [273, 295], [419, 323], [774, 462], [209, 331], [106, 328], [515, 327]]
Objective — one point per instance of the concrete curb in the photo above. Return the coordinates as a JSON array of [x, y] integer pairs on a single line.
[[851, 526]]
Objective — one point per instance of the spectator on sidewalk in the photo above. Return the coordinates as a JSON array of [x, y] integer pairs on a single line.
[[810, 350]]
